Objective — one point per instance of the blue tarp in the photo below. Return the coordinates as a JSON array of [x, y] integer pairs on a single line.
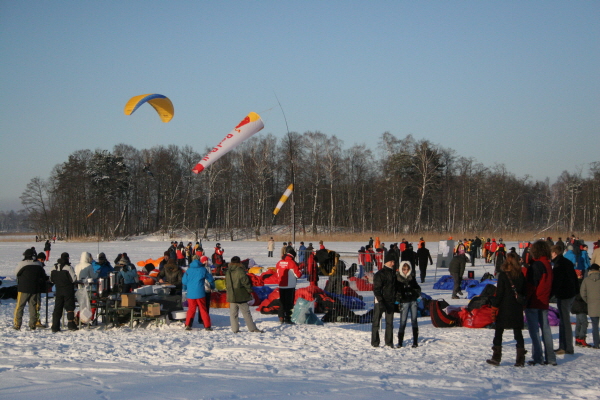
[[447, 283], [353, 303], [475, 290]]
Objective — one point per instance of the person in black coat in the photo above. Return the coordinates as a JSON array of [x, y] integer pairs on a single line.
[[384, 289], [564, 287], [509, 299], [31, 280], [457, 270], [407, 294], [63, 277], [423, 255]]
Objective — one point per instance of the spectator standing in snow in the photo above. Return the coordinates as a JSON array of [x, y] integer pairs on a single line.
[[239, 293], [477, 246], [590, 292], [407, 293], [596, 253], [384, 289], [538, 277], [283, 250], [31, 280], [583, 261], [302, 254], [102, 267], [205, 262], [194, 281], [63, 277], [84, 269], [47, 247], [41, 258], [171, 274], [218, 260], [287, 273], [423, 256], [509, 299], [457, 270], [270, 247], [564, 288]]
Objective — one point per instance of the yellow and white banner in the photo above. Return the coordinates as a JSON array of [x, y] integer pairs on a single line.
[[286, 194]]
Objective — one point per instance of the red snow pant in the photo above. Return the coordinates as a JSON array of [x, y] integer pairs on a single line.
[[201, 305]]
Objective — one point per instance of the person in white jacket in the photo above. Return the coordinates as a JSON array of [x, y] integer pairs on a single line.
[[84, 269]]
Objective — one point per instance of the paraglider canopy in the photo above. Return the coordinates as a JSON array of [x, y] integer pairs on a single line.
[[161, 104]]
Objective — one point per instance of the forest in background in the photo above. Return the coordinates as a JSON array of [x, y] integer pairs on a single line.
[[406, 186]]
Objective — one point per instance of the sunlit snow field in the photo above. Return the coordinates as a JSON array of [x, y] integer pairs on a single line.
[[333, 361]]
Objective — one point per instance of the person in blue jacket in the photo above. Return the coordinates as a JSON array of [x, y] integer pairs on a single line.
[[193, 282], [570, 255], [102, 267], [583, 261], [302, 253]]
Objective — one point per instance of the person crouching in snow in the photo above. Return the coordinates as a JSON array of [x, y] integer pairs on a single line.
[[193, 281], [239, 293], [408, 291], [509, 299]]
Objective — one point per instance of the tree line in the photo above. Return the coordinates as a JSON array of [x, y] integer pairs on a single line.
[[404, 186]]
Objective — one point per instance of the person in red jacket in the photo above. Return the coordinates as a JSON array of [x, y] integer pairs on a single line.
[[538, 277], [287, 273]]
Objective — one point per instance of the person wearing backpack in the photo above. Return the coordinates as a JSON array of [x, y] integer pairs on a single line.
[[510, 300], [408, 292], [384, 289], [539, 277]]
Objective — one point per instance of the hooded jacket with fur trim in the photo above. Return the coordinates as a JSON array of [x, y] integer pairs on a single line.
[[407, 289]]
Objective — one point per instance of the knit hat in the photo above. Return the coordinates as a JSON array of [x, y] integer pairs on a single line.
[[388, 257], [101, 257], [64, 256], [203, 259], [235, 259]]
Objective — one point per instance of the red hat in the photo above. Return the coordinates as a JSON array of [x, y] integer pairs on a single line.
[[203, 259]]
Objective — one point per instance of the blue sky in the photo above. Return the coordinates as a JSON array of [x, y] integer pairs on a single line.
[[508, 82]]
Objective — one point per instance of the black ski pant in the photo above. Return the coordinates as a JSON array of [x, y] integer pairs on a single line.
[[286, 296], [423, 269], [63, 301]]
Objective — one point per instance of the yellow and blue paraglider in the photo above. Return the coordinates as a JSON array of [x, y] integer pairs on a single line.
[[161, 104]]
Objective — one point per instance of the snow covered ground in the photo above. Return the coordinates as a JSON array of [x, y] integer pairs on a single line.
[[333, 361]]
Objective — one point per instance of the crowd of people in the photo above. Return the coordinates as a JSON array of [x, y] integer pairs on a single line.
[[526, 283]]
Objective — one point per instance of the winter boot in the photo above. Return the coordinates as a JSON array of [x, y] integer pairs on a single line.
[[496, 356], [400, 339], [520, 357], [583, 343], [72, 326], [415, 336]]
